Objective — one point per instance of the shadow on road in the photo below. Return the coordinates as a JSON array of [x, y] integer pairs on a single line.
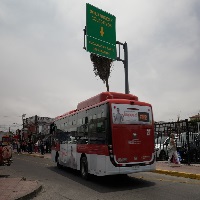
[[106, 183], [4, 176]]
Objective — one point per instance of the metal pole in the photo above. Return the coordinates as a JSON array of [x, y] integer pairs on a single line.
[[22, 122], [188, 143], [198, 127], [126, 67], [22, 131], [84, 30]]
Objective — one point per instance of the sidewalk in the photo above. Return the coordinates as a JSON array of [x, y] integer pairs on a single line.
[[46, 155], [188, 171], [19, 188]]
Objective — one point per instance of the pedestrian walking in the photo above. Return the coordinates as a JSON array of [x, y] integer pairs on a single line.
[[30, 145], [47, 146], [22, 146], [42, 147], [172, 150], [36, 147], [18, 147]]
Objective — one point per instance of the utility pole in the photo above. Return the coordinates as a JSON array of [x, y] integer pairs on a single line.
[[23, 120], [103, 42], [22, 131]]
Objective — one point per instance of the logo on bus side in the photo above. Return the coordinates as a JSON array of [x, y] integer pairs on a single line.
[[135, 140], [134, 135]]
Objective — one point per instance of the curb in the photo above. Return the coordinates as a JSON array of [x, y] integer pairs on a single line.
[[39, 156], [178, 174], [33, 155], [31, 194]]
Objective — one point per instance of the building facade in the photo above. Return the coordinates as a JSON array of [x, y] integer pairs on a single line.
[[36, 126]]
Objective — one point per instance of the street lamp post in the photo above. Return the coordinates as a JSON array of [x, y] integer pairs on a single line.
[[23, 120], [22, 132]]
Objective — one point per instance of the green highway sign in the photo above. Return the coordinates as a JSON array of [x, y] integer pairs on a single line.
[[100, 31], [100, 24], [101, 48]]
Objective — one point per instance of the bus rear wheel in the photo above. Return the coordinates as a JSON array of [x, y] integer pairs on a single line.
[[84, 168]]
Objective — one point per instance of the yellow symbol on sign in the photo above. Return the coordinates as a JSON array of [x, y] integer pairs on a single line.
[[101, 31]]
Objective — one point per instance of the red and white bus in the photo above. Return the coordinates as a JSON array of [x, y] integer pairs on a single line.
[[110, 133]]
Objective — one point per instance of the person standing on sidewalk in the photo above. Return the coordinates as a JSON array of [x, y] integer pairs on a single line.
[[172, 150], [42, 147], [18, 147], [30, 144]]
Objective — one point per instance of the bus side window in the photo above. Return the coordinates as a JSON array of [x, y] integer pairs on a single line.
[[92, 129], [86, 120], [86, 130], [101, 131], [101, 127]]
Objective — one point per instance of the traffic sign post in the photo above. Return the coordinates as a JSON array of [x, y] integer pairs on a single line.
[[125, 62], [100, 32]]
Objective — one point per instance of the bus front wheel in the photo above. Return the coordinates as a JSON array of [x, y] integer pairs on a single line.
[[84, 168]]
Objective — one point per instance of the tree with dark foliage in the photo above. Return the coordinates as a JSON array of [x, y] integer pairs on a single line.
[[102, 67]]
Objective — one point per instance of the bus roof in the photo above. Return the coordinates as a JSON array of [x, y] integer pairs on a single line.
[[64, 115], [98, 99], [103, 97]]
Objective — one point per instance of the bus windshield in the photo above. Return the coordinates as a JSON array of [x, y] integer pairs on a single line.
[[131, 114]]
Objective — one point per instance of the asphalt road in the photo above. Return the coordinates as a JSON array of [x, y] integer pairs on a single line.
[[66, 184]]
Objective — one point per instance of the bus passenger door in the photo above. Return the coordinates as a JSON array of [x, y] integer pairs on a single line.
[[63, 153], [71, 156]]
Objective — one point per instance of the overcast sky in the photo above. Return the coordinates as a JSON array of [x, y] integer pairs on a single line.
[[45, 71]]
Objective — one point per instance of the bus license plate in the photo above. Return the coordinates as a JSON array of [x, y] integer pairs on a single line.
[[135, 167]]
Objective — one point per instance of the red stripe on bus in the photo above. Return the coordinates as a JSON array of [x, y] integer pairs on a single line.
[[93, 149]]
